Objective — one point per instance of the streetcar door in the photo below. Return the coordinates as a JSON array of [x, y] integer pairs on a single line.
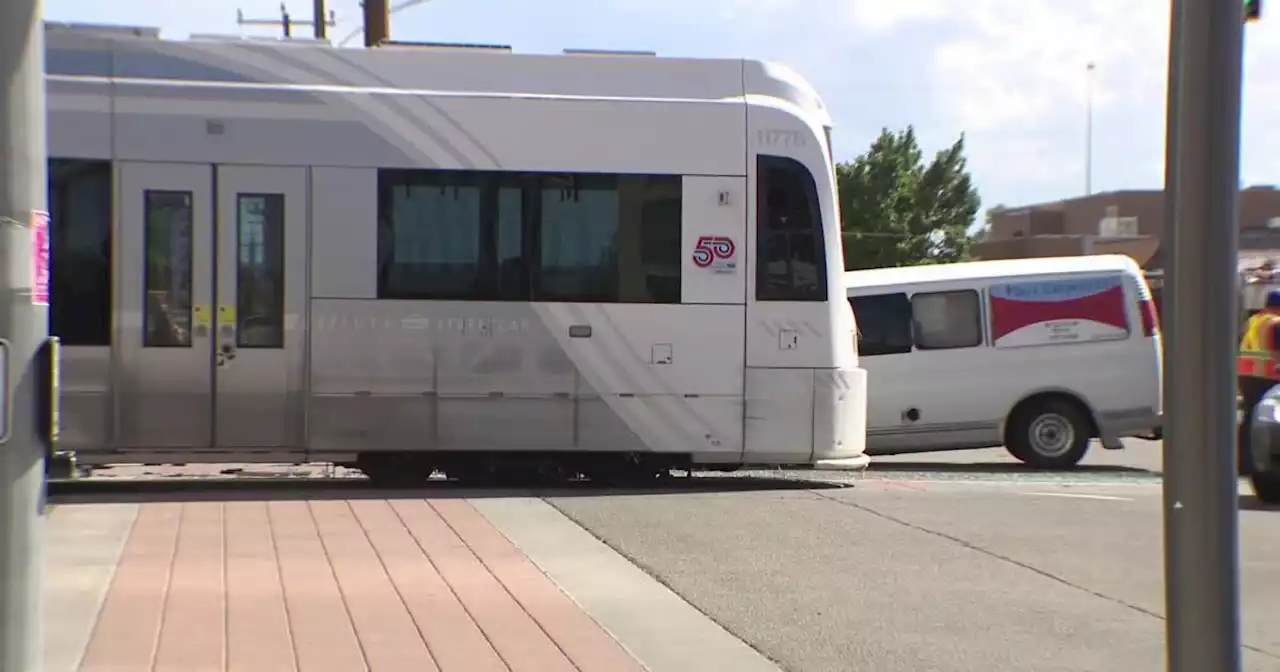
[[260, 275], [211, 278], [164, 286]]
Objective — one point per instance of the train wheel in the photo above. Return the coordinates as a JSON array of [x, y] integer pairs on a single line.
[[394, 470], [627, 474], [509, 475], [389, 477]]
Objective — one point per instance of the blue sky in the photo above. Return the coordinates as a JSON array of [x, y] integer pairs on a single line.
[[1010, 74]]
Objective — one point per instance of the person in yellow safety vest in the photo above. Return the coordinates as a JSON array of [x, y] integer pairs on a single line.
[[1257, 369]]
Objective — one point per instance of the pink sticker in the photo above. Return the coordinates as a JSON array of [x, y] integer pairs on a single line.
[[40, 258]]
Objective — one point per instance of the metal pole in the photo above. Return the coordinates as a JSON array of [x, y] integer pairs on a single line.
[[318, 19], [1200, 484], [1167, 242], [1088, 131], [286, 22], [24, 324]]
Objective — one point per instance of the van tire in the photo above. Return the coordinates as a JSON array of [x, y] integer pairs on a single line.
[[1050, 434]]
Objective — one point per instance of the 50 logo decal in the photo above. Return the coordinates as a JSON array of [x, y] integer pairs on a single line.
[[715, 251]]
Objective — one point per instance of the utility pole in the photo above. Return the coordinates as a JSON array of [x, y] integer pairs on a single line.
[[286, 21], [24, 326], [319, 21], [1201, 491], [377, 22]]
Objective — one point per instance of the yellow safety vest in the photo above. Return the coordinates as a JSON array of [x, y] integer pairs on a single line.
[[1258, 357]]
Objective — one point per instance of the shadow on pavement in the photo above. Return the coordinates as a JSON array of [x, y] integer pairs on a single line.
[[196, 489], [1000, 468]]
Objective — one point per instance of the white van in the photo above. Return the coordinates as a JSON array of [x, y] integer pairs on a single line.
[[1039, 355]]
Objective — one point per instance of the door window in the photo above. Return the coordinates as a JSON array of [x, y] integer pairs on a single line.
[[167, 304], [260, 270]]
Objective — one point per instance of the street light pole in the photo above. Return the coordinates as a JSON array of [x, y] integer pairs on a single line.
[[23, 325], [1201, 491], [1088, 130]]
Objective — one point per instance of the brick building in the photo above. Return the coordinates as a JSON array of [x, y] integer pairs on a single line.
[[1124, 222]]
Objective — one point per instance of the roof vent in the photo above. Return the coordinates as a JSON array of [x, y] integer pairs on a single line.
[[100, 29], [446, 46], [608, 52]]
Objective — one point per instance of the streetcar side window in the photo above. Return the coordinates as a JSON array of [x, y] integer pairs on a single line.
[[80, 251], [429, 235], [608, 239], [791, 262], [504, 236]]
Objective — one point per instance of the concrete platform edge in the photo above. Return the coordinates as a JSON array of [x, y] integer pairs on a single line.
[[663, 631], [83, 544]]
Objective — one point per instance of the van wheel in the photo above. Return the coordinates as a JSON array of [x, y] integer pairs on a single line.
[[1266, 486], [1052, 434]]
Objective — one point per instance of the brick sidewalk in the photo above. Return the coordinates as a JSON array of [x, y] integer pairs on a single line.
[[341, 586]]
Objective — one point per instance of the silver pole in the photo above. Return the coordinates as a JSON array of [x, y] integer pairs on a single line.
[[24, 324], [1088, 130], [1200, 484]]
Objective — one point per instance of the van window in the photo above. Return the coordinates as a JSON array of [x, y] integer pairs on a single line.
[[884, 323], [947, 320]]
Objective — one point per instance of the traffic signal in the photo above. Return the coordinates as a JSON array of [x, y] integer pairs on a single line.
[[1252, 10]]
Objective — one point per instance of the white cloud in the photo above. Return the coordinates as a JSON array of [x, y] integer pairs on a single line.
[[882, 15], [1013, 75]]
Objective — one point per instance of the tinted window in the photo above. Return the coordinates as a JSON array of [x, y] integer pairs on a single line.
[[507, 275], [429, 234], [884, 323], [791, 262], [649, 258], [945, 320], [578, 257], [529, 237], [80, 251]]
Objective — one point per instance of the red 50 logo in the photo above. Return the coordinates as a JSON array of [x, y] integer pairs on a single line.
[[710, 248]]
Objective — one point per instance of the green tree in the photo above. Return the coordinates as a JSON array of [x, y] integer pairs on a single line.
[[898, 211]]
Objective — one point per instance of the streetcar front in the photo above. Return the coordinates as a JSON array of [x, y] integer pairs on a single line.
[[806, 394]]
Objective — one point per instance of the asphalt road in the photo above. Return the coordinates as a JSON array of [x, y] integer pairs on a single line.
[[1138, 461], [957, 562]]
